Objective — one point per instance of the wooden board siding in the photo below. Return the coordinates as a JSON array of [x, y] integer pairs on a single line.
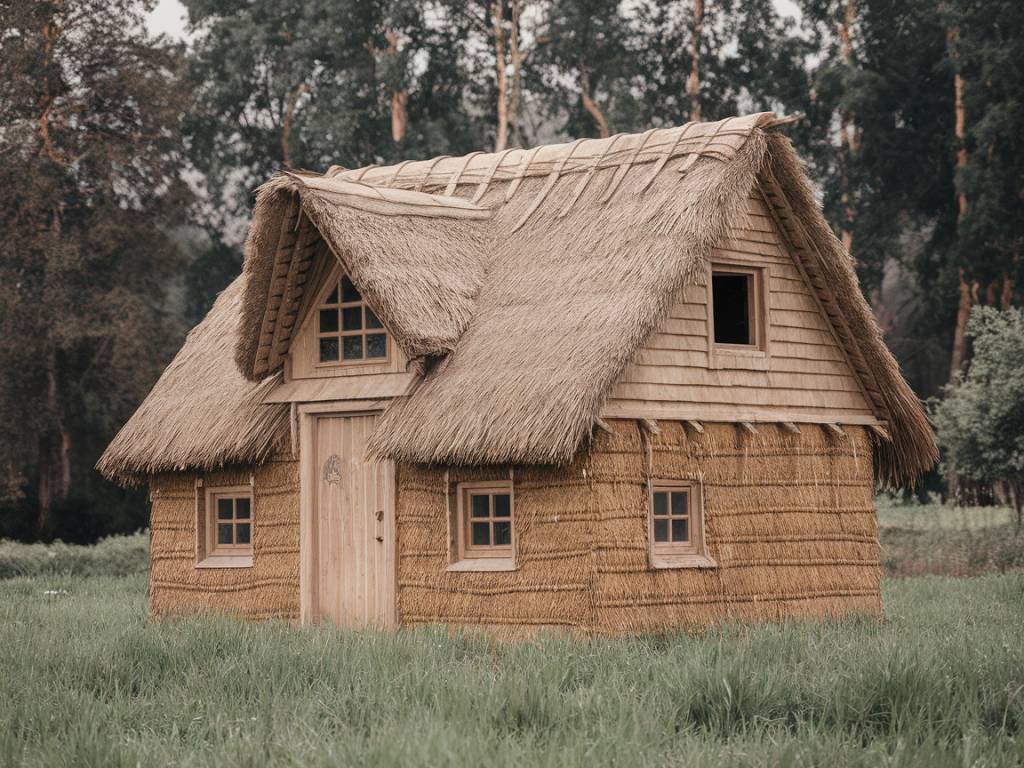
[[805, 376], [269, 589], [788, 518]]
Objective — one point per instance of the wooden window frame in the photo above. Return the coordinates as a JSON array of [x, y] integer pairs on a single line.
[[690, 554], [755, 354], [469, 557], [210, 554], [341, 333]]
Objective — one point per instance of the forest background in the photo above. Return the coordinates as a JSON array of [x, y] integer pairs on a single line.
[[128, 159]]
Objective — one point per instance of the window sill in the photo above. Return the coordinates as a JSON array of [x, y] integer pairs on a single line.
[[750, 359], [659, 562], [489, 564], [226, 561]]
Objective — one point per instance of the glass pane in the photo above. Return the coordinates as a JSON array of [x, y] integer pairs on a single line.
[[242, 533], [376, 345], [661, 530], [223, 509], [328, 350], [479, 504], [481, 534], [328, 320], [348, 291], [680, 530], [371, 319], [660, 503], [502, 534], [730, 302], [224, 533], [353, 347], [332, 298], [242, 508], [502, 505], [352, 318], [679, 503]]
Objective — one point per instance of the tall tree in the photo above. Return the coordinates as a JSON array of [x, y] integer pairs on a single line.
[[313, 83], [91, 187], [585, 64]]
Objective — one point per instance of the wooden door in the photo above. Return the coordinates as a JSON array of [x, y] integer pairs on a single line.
[[353, 546]]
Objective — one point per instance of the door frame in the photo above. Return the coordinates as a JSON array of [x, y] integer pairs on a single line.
[[309, 574]]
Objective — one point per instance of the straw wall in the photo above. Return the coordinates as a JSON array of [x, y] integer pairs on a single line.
[[788, 518], [270, 588]]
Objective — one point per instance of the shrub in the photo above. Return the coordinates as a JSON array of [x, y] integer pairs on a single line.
[[113, 556], [981, 420]]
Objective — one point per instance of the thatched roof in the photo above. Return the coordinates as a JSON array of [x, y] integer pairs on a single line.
[[524, 282], [202, 413]]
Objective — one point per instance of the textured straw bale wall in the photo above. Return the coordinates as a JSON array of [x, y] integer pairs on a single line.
[[789, 519], [270, 588], [552, 586]]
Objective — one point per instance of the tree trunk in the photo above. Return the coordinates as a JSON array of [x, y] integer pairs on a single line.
[[286, 123], [849, 133], [501, 133], [693, 81], [516, 56], [1018, 503], [399, 96], [55, 452], [963, 313], [590, 105], [967, 291], [1006, 298]]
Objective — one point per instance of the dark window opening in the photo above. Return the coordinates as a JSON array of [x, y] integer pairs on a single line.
[[731, 299]]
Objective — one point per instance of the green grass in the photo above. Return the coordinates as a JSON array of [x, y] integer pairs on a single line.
[[85, 681]]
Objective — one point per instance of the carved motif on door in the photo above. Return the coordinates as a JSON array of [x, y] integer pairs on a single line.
[[332, 469]]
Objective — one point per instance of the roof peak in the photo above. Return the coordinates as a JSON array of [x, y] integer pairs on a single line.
[[715, 139]]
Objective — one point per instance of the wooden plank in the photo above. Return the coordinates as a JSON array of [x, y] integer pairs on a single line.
[[740, 396], [686, 343], [369, 386], [729, 378], [728, 412]]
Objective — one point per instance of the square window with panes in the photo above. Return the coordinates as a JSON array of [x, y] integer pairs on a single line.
[[485, 521], [347, 329], [675, 519], [229, 522]]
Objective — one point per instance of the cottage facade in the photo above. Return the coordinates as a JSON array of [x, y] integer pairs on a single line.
[[617, 385]]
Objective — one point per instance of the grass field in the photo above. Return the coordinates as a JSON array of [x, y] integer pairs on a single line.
[[86, 682]]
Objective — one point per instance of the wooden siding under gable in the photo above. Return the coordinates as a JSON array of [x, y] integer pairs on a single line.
[[806, 376]]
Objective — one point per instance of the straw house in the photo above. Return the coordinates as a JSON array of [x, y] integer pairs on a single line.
[[616, 385]]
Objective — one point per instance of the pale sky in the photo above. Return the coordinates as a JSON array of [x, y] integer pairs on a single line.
[[168, 18]]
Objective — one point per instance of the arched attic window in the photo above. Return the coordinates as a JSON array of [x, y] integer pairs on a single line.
[[348, 332]]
